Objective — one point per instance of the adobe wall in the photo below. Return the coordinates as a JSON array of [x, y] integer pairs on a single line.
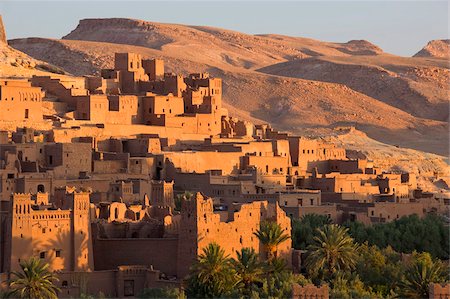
[[3, 278], [161, 253], [46, 236], [110, 283], [326, 210], [199, 162], [300, 199], [34, 183], [439, 291], [309, 291], [200, 226], [59, 237], [267, 165], [393, 211], [19, 101], [54, 107], [109, 166], [66, 134], [119, 228], [69, 159]]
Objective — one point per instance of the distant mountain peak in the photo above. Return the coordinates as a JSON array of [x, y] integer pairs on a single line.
[[439, 48], [362, 47]]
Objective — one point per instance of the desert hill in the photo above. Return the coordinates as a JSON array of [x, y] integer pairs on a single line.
[[212, 45], [415, 85], [436, 48], [297, 84], [18, 64], [14, 63]]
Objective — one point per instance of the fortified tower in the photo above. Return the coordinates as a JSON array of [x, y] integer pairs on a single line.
[[83, 259], [21, 230], [194, 212]]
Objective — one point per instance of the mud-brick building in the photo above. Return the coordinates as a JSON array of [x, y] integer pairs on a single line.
[[20, 101], [60, 237]]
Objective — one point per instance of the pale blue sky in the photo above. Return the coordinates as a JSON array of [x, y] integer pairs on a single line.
[[398, 27]]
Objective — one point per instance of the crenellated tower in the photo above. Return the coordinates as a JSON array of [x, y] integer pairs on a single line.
[[21, 229], [83, 259]]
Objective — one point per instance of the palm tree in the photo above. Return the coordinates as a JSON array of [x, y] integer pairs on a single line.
[[270, 234], [34, 281], [180, 197], [248, 268], [419, 275], [278, 279], [212, 275], [332, 250]]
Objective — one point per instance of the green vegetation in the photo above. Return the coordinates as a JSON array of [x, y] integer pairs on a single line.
[[350, 261], [212, 275], [429, 234], [33, 281], [422, 271], [216, 275], [271, 235], [156, 293], [406, 234], [332, 251], [304, 229], [179, 198], [334, 257], [249, 270], [346, 258]]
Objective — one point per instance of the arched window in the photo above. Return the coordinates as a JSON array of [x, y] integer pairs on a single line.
[[40, 188]]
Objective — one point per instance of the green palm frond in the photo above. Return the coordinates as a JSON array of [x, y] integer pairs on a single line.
[[271, 235], [33, 281], [332, 250]]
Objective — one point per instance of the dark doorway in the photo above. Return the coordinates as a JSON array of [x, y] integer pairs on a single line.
[[40, 188]]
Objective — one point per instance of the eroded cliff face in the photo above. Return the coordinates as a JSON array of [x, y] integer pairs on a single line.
[[439, 48], [2, 32]]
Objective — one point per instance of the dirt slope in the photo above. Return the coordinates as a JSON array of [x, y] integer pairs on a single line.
[[16, 64], [416, 85]]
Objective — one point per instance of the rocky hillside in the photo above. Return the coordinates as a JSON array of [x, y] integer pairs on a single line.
[[436, 48], [213, 45], [415, 85], [14, 63], [297, 84]]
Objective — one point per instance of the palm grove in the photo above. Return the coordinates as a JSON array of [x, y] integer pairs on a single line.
[[354, 260]]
